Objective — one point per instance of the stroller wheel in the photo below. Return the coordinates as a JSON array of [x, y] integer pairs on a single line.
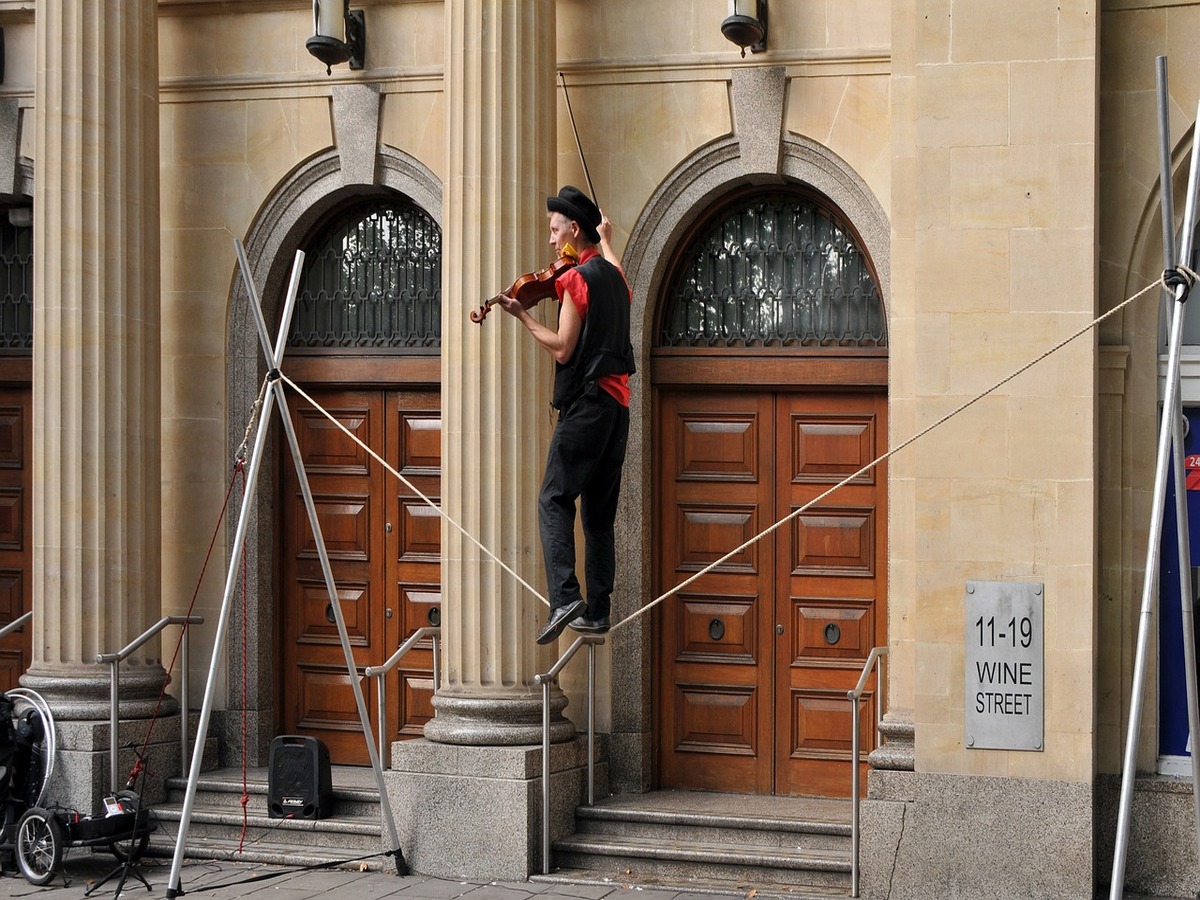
[[39, 846]]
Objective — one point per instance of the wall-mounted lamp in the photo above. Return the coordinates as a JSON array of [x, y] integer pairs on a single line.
[[746, 25], [340, 35]]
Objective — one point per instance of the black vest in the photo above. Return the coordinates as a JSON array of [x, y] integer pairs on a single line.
[[604, 347]]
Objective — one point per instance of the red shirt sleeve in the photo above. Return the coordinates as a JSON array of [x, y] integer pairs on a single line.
[[572, 281]]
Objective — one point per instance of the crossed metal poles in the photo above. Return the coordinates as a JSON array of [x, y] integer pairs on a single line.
[[274, 357]]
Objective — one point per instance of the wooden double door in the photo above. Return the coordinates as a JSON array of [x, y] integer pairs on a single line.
[[383, 543], [755, 658], [16, 529]]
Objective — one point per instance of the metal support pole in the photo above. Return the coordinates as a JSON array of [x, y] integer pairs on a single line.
[[1168, 431], [231, 580], [1183, 526]]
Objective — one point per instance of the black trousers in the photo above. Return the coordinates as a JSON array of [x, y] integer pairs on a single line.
[[584, 464]]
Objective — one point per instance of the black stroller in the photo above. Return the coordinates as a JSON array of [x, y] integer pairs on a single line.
[[35, 837]]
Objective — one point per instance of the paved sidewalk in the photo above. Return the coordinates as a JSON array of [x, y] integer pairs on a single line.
[[232, 880], [208, 880]]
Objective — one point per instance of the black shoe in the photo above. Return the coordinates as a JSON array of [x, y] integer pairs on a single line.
[[591, 626], [558, 620]]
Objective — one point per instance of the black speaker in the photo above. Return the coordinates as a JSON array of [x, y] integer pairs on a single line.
[[299, 785]]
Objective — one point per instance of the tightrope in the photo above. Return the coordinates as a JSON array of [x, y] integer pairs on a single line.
[[412, 487], [1180, 272]]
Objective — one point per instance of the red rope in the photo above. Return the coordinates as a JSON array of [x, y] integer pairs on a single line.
[[239, 468]]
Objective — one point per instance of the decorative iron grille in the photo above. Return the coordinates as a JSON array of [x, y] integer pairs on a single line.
[[16, 288], [372, 281], [777, 270]]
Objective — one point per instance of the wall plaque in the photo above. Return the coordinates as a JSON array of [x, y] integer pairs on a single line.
[[1005, 695]]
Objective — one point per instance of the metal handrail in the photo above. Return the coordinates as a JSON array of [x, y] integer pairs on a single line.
[[114, 660], [430, 631], [16, 624], [877, 654], [547, 680]]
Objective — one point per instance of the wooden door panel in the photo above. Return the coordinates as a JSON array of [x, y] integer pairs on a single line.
[[756, 657], [16, 524], [715, 629], [318, 699], [830, 540], [833, 598], [414, 556], [314, 624], [826, 629], [715, 697], [383, 543]]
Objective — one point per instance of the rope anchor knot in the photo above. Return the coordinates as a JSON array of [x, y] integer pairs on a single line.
[[1179, 277]]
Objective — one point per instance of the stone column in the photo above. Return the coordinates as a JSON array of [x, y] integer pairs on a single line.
[[482, 748], [500, 152], [96, 510]]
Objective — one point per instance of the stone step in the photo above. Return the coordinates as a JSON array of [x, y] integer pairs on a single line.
[[693, 837], [646, 881], [223, 792], [350, 836], [696, 860], [337, 833], [268, 853], [763, 831]]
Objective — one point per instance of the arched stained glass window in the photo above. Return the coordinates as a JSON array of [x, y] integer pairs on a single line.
[[779, 269], [372, 282]]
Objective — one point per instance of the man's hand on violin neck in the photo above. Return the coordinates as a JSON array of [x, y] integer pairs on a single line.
[[512, 306]]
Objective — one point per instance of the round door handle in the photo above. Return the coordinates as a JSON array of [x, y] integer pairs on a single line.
[[779, 629], [387, 613], [388, 527]]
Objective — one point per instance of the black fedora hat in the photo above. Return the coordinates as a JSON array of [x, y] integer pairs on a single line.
[[578, 207]]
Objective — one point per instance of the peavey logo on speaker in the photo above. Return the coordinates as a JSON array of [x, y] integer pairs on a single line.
[[299, 784]]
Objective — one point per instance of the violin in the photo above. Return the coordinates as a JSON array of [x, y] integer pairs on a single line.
[[532, 287]]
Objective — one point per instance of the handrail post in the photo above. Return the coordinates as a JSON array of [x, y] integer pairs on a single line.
[[875, 658], [547, 679], [854, 753], [591, 717], [546, 776], [114, 689], [385, 752], [185, 700], [114, 694], [431, 631]]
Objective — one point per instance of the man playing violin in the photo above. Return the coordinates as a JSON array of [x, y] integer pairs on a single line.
[[593, 359]]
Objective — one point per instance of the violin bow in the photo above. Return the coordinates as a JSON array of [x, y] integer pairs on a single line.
[[578, 146]]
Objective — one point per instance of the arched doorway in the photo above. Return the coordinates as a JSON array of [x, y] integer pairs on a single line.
[[769, 371], [364, 343]]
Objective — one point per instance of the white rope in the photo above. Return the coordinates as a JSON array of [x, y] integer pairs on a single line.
[[890, 453], [412, 487], [1161, 282], [240, 456]]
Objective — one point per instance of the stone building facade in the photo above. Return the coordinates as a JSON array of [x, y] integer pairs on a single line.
[[982, 181]]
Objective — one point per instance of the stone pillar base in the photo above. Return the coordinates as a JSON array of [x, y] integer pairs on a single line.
[[475, 813], [973, 836], [82, 773]]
